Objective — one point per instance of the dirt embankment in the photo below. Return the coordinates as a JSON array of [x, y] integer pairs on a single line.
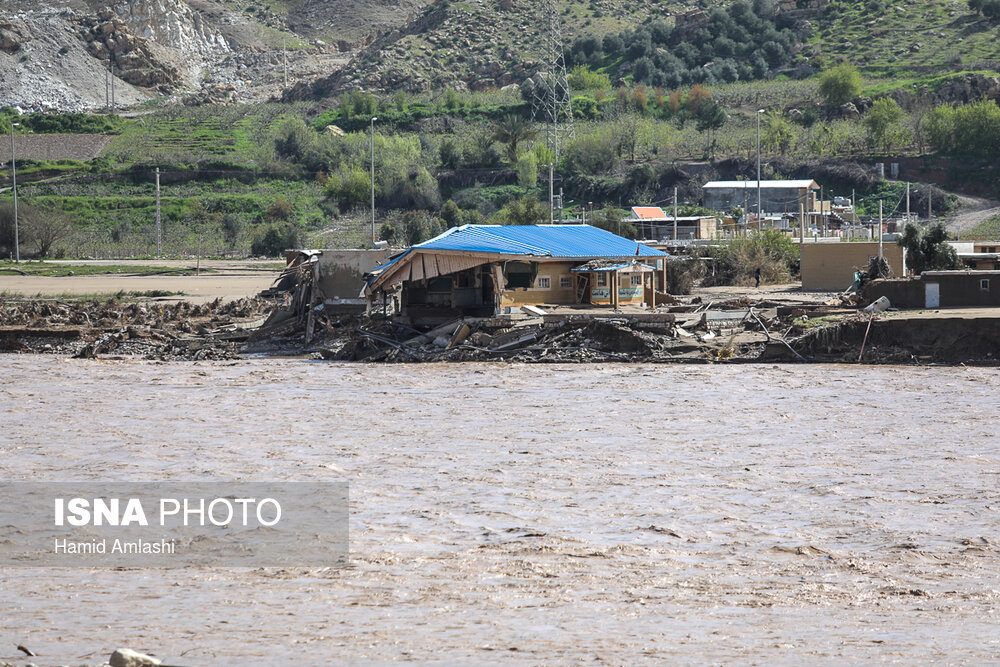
[[898, 340]]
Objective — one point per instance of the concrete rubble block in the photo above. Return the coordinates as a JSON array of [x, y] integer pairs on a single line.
[[126, 657]]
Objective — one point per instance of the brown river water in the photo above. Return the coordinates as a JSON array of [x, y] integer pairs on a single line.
[[532, 514]]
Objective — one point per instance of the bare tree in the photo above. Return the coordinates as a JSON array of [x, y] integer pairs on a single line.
[[46, 228]]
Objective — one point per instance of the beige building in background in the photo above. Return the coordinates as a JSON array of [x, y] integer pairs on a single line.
[[831, 266]]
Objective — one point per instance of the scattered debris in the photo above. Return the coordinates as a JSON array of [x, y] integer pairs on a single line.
[[146, 330]]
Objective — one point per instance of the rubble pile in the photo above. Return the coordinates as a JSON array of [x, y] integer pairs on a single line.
[[692, 337], [147, 330]]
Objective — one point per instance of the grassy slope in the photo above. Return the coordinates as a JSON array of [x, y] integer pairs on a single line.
[[902, 40]]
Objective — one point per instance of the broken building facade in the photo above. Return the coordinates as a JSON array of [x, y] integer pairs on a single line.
[[477, 270]]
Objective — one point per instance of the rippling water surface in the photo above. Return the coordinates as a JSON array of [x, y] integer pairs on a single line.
[[618, 513]]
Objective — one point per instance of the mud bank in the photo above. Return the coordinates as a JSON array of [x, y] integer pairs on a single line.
[[943, 339]]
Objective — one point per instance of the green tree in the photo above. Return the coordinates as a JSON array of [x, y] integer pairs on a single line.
[[450, 153], [591, 153], [349, 187], [777, 134], [939, 127], [613, 220], [451, 214], [840, 84], [527, 171], [711, 116], [928, 249], [511, 130], [883, 124], [977, 129], [274, 240], [525, 211]]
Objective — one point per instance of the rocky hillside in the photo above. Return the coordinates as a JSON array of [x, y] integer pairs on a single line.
[[58, 53], [473, 45], [60, 56]]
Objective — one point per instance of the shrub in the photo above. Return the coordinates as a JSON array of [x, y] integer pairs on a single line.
[[840, 84], [584, 78], [274, 240], [738, 259], [349, 187], [590, 154]]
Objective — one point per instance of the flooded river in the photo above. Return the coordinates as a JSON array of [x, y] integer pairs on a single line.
[[536, 514]]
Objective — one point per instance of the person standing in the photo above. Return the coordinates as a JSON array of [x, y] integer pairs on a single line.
[[756, 276]]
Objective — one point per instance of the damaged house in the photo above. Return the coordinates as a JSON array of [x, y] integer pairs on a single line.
[[476, 270]]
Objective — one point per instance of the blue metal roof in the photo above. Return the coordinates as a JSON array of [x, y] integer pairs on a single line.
[[577, 241]]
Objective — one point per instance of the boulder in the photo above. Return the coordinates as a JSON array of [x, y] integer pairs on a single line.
[[12, 36], [126, 657], [849, 111]]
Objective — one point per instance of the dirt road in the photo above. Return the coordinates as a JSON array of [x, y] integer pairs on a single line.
[[228, 280], [974, 210]]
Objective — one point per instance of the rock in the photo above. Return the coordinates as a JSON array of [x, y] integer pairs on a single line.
[[862, 104], [12, 36], [849, 111], [126, 657]]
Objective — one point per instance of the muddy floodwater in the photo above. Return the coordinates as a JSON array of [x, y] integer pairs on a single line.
[[536, 513]]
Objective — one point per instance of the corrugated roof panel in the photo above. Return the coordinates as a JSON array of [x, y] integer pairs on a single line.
[[539, 241], [648, 212], [797, 184]]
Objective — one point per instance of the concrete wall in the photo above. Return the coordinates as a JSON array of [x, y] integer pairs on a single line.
[[341, 272], [956, 288], [831, 266]]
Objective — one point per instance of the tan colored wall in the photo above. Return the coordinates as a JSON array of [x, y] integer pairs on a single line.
[[831, 266], [533, 296]]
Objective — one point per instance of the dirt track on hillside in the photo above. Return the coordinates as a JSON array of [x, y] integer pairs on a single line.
[[973, 211]]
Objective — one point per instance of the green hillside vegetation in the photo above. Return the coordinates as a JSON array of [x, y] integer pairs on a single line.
[[899, 40], [647, 97], [741, 42]]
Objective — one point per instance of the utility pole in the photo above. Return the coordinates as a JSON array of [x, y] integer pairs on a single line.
[[880, 229], [552, 203], [802, 224], [759, 112], [159, 228], [907, 203], [13, 174], [675, 214], [822, 211], [284, 62], [374, 118]]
